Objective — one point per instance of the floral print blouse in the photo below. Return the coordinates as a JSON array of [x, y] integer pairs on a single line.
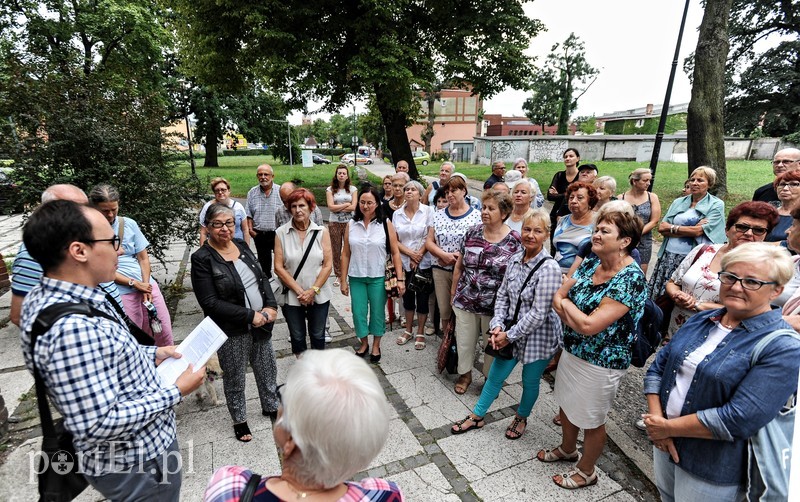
[[485, 265], [694, 276], [611, 348]]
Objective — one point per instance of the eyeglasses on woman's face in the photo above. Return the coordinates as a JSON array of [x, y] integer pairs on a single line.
[[792, 185], [743, 229], [220, 224], [729, 279], [220, 190]]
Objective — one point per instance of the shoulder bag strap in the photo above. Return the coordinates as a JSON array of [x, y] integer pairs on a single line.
[[121, 228], [386, 233], [250, 488], [762, 344], [141, 336], [305, 255], [44, 321], [527, 279]]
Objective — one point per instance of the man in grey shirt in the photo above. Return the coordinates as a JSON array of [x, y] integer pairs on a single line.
[[262, 203]]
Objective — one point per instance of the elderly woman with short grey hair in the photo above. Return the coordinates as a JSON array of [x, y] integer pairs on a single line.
[[235, 293], [412, 223], [606, 187], [325, 391], [537, 198]]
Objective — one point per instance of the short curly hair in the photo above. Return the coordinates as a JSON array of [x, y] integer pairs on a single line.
[[590, 190], [754, 209]]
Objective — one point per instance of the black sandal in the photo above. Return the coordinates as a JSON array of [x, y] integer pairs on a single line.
[[241, 430], [458, 427], [512, 432]]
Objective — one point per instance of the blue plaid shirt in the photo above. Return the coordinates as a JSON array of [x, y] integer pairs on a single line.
[[537, 333], [102, 381]]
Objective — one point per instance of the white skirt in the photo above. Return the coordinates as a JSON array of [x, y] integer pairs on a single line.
[[584, 391]]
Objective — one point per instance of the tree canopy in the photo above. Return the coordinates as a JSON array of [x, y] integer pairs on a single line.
[[84, 92], [336, 52]]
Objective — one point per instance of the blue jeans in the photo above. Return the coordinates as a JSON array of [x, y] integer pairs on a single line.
[[156, 479], [499, 371], [676, 484], [296, 317]]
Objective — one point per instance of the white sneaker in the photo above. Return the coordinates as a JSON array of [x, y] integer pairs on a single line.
[[402, 322], [430, 331], [328, 337], [640, 425]]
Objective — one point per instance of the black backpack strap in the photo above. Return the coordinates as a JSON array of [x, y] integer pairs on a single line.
[[250, 488], [141, 335], [44, 321]]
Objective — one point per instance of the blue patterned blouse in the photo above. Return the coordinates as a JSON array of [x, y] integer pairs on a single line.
[[611, 348]]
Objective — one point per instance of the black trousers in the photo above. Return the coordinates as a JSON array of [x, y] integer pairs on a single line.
[[265, 244]]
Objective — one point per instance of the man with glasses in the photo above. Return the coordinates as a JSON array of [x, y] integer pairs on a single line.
[[498, 171], [222, 195], [785, 160], [263, 201], [27, 273], [99, 378]]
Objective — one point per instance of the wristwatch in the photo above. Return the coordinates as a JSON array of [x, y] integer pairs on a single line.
[[130, 283], [316, 290]]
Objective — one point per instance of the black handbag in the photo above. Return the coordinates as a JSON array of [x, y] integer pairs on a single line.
[[390, 279], [59, 478], [507, 352], [421, 281]]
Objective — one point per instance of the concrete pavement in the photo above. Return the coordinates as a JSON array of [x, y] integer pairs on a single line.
[[420, 454]]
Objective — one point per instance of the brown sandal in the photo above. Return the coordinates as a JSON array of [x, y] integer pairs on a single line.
[[512, 432], [463, 382]]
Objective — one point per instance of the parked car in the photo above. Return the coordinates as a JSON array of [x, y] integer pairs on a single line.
[[319, 159], [362, 159], [422, 158]]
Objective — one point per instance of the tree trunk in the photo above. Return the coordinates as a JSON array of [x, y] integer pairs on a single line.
[[395, 121], [705, 127], [212, 140], [566, 100], [427, 133]]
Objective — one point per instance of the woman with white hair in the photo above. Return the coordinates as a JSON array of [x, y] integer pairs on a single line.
[[325, 391], [521, 195], [537, 199], [444, 175], [647, 208], [412, 222], [606, 187], [706, 397]]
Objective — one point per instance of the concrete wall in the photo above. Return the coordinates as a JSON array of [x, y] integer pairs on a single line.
[[600, 147]]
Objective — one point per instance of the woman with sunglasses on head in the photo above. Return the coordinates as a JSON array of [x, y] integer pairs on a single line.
[[234, 292], [705, 397], [647, 207], [694, 286], [787, 186]]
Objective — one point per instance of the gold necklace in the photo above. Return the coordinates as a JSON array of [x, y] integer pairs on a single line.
[[300, 495]]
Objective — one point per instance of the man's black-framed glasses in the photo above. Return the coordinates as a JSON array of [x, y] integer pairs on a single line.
[[748, 283], [115, 241]]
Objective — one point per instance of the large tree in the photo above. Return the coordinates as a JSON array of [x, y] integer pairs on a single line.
[[84, 94], [764, 98], [339, 51], [704, 122], [567, 62], [543, 106]]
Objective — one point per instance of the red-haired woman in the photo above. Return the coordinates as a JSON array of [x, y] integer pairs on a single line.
[[308, 294]]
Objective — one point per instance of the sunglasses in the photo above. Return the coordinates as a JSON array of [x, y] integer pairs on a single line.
[[743, 229]]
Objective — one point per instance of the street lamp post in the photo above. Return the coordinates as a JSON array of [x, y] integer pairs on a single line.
[[355, 137], [665, 107]]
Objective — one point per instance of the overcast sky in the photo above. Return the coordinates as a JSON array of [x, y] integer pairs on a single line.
[[631, 42]]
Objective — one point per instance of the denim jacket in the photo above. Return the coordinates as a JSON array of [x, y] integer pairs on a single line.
[[729, 397], [219, 289]]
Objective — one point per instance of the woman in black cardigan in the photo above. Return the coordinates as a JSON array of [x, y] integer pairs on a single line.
[[232, 289]]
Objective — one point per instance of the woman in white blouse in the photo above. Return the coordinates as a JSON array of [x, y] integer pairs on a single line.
[[412, 222], [363, 269], [341, 197]]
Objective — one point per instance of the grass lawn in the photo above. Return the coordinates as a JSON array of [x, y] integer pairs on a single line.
[[744, 176], [241, 174]]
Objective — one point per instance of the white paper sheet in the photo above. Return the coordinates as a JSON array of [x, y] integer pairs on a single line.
[[201, 344]]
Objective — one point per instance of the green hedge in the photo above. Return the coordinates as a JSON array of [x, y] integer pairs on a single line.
[[332, 152], [244, 152]]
